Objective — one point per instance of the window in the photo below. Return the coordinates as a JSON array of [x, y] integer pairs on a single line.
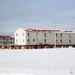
[[16, 34], [56, 35], [28, 34], [45, 40], [69, 40], [28, 40], [16, 40], [61, 35], [61, 40], [23, 34], [44, 34], [56, 41], [23, 40], [33, 40]]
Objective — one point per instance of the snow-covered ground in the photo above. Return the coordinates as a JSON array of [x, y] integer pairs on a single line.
[[60, 61]]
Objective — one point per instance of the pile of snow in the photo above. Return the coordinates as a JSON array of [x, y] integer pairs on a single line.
[[38, 62]]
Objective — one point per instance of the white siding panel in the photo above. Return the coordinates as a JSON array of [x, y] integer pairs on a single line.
[[21, 37]]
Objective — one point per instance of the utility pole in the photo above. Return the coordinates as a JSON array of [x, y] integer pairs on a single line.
[[55, 34]]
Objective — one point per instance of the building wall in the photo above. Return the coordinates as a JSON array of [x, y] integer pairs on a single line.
[[40, 38], [73, 38], [6, 41], [20, 37], [65, 38], [30, 37], [51, 38], [46, 37]]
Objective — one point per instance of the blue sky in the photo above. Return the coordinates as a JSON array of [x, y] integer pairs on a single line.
[[38, 14]]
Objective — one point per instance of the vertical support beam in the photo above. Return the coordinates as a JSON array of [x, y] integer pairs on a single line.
[[55, 34]]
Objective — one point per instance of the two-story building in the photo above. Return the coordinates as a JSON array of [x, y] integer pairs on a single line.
[[6, 41], [33, 38]]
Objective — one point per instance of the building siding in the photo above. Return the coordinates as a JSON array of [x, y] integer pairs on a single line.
[[38, 37]]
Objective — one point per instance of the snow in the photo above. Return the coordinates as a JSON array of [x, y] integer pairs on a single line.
[[14, 74], [60, 61]]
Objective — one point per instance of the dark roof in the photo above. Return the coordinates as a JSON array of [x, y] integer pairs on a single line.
[[5, 37]]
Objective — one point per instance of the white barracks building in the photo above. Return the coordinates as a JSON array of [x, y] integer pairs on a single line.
[[32, 38]]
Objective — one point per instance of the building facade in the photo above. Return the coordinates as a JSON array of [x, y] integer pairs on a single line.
[[32, 38], [6, 41]]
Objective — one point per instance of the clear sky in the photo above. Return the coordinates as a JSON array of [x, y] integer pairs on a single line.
[[41, 14]]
